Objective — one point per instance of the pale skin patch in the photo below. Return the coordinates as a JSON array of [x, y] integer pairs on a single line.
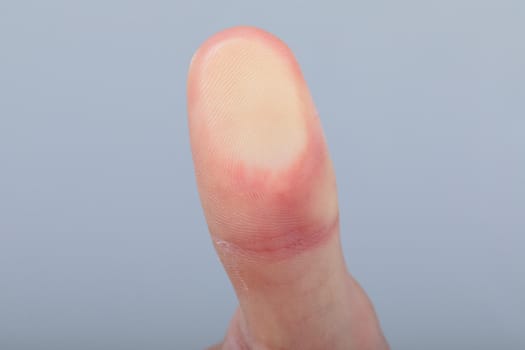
[[256, 120]]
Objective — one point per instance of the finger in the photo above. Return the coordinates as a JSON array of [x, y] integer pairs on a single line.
[[268, 191]]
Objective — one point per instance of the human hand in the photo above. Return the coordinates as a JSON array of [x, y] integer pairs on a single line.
[[268, 191]]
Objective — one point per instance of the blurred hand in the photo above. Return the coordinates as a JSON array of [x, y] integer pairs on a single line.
[[268, 191]]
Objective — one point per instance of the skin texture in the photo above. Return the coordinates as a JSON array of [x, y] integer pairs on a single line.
[[268, 191]]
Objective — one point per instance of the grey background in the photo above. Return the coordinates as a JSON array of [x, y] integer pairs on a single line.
[[103, 243]]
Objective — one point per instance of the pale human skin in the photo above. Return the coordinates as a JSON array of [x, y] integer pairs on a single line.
[[268, 191]]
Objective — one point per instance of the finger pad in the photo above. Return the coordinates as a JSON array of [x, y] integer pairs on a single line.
[[260, 156]]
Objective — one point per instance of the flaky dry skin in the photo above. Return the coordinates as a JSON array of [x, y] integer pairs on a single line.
[[268, 190]]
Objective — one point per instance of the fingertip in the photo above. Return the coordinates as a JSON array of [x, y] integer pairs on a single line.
[[261, 161], [246, 96]]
